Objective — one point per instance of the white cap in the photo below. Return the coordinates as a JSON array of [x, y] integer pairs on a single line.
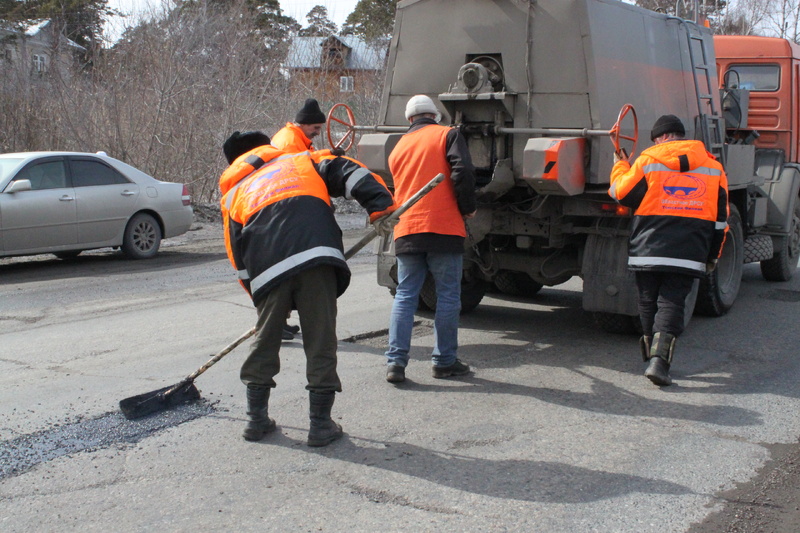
[[420, 104]]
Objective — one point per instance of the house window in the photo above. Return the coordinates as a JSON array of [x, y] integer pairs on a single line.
[[39, 62], [346, 84]]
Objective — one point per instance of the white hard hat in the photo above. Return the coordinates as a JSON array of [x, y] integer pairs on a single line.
[[420, 104]]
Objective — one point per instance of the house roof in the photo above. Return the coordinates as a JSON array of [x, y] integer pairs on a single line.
[[306, 52], [37, 31]]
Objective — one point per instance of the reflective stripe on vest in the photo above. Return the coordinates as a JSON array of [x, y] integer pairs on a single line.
[[353, 180], [291, 262], [659, 167], [666, 261]]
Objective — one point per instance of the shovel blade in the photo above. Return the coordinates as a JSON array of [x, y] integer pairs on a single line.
[[158, 400]]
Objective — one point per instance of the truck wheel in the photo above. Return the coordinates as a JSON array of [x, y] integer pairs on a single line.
[[517, 283], [783, 264], [719, 289], [472, 292]]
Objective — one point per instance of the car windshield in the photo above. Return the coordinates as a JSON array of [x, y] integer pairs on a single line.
[[8, 166]]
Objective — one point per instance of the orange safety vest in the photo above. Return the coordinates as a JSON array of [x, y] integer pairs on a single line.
[[258, 179], [680, 194], [278, 215], [283, 178], [291, 139], [418, 157]]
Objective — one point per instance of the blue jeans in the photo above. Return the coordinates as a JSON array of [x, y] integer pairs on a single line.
[[411, 271]]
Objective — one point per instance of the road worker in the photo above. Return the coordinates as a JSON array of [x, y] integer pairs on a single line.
[[283, 240], [297, 136], [679, 192], [430, 236]]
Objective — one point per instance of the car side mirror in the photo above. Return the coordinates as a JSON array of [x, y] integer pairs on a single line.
[[19, 186]]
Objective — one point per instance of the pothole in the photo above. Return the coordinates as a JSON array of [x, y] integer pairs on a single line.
[[25, 452], [380, 338]]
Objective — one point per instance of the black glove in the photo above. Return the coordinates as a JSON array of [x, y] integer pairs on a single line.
[[337, 152]]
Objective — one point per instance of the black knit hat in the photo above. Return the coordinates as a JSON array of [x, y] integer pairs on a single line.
[[240, 143], [667, 124], [310, 113]]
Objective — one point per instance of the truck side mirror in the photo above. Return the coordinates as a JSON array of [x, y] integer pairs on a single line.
[[728, 80]]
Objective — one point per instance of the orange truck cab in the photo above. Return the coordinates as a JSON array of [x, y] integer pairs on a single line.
[[767, 67]]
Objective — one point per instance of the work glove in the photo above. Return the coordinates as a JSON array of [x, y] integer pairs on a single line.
[[711, 266], [337, 152], [381, 222]]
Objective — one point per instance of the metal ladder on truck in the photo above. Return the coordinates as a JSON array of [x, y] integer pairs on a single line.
[[710, 121]]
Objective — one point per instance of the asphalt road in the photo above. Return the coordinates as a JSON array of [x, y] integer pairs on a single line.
[[557, 430]]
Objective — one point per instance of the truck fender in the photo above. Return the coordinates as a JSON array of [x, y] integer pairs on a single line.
[[782, 193], [608, 285]]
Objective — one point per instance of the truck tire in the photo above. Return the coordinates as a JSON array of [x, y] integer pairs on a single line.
[[787, 250], [472, 293], [517, 284], [758, 248], [719, 289]]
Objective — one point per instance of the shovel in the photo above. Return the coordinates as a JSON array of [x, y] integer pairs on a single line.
[[185, 391]]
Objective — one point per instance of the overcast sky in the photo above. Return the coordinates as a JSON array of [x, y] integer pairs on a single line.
[[297, 9]]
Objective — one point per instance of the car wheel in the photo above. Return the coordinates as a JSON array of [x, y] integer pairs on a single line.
[[142, 237]]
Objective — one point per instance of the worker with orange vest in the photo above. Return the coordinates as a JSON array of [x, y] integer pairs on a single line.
[[679, 193], [283, 240], [297, 136], [430, 235]]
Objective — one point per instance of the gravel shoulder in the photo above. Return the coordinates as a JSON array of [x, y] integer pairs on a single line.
[[769, 503]]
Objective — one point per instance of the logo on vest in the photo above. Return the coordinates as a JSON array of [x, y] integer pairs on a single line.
[[684, 187]]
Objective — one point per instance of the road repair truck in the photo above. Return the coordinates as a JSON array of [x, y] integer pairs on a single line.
[[537, 88]]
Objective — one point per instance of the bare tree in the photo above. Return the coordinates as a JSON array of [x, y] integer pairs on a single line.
[[169, 93], [782, 18]]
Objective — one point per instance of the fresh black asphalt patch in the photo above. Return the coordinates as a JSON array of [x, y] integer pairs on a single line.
[[25, 452]]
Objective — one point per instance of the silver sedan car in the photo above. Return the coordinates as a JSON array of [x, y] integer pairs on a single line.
[[66, 202]]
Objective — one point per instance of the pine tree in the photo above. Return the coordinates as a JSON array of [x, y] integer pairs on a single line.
[[319, 25], [371, 19]]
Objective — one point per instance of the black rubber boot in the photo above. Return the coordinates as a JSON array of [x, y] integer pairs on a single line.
[[259, 424], [323, 429], [644, 346], [660, 359]]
